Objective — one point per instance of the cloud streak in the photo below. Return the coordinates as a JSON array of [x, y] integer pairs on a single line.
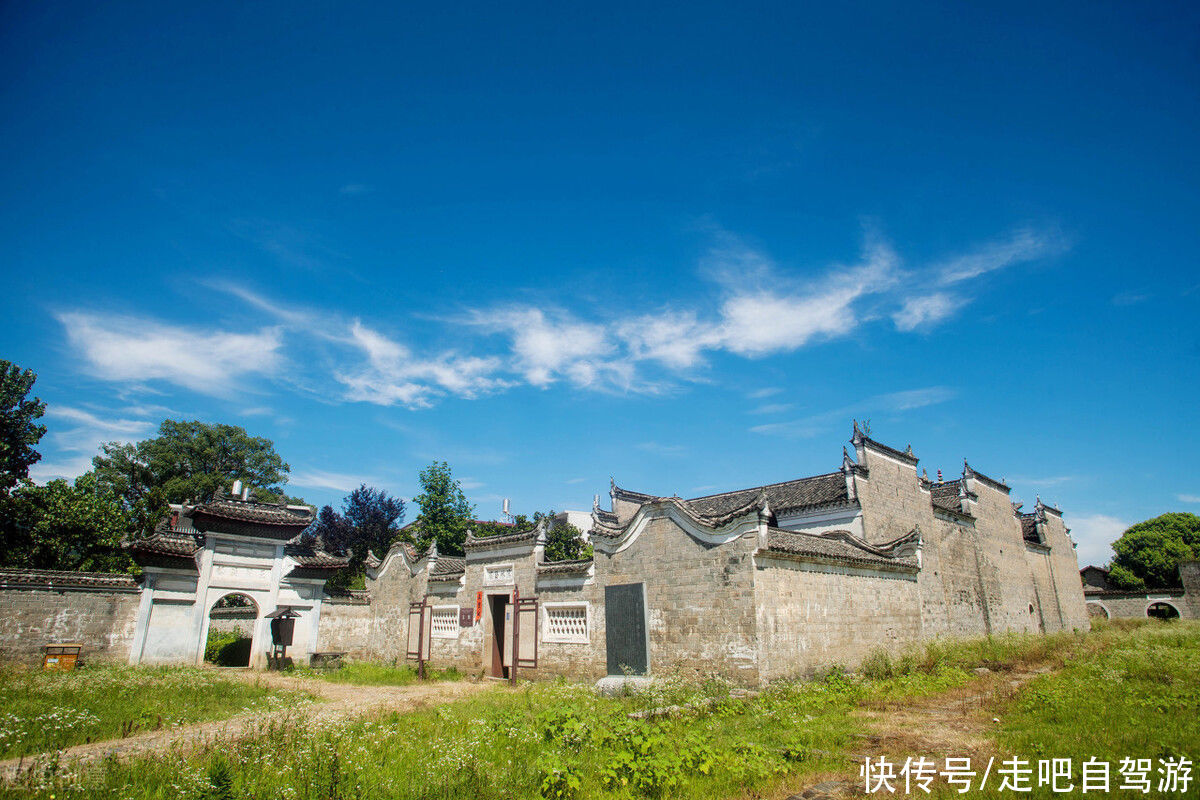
[[750, 306], [894, 403], [131, 349]]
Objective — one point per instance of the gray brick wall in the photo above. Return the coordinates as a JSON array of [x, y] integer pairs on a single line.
[[103, 622]]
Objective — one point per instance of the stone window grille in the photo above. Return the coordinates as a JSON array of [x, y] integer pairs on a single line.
[[444, 624], [566, 622], [498, 574]]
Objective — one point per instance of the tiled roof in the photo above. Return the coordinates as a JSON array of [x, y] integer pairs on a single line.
[[449, 565], [564, 567], [834, 546], [1029, 528], [305, 555], [257, 513], [819, 490], [945, 495], [176, 523], [167, 542], [474, 542], [631, 496], [979, 476], [62, 579]]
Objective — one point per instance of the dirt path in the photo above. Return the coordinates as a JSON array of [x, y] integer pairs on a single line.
[[956, 723], [337, 701]]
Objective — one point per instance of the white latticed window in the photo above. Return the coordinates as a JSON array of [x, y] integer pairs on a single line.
[[445, 622], [498, 574], [566, 622]]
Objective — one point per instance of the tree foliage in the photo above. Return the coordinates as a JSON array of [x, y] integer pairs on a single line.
[[368, 523], [445, 511], [191, 461], [1149, 552], [19, 430], [564, 542], [66, 526]]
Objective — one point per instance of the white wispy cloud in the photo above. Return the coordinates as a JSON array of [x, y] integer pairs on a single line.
[[77, 434], [125, 348], [322, 479], [926, 310], [1024, 244], [767, 312], [676, 339], [392, 374], [1188, 498], [772, 408], [748, 305], [1093, 534], [545, 348], [1129, 298], [894, 403]]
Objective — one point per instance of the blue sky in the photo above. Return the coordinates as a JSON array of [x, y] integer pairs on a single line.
[[682, 246]]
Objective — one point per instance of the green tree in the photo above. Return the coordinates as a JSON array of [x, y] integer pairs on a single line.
[[369, 522], [191, 461], [66, 526], [1150, 551], [445, 512], [564, 542], [19, 429]]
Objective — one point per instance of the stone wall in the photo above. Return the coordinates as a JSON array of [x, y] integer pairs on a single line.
[[40, 608], [700, 599], [345, 627], [1130, 605], [978, 574], [814, 616]]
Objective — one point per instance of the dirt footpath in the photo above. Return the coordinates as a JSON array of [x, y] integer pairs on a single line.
[[337, 701], [956, 723]]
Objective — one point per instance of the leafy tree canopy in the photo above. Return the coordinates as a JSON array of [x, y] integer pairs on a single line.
[[190, 461], [369, 522], [1148, 553], [65, 526], [564, 542], [19, 429], [445, 512]]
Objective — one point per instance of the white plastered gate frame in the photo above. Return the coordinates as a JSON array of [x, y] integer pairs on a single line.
[[251, 566]]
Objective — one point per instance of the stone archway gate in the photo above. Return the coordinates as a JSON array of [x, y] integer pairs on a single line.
[[228, 545]]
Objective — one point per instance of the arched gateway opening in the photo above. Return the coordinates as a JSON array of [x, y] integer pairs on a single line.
[[213, 573], [1162, 611], [232, 621]]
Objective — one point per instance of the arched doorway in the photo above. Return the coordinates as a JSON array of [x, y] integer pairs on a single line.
[[1162, 610], [232, 621], [1097, 610]]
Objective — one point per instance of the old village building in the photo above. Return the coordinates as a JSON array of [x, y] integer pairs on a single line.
[[755, 584]]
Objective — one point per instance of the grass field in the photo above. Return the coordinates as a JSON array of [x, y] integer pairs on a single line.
[[371, 673], [42, 711], [1119, 691]]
